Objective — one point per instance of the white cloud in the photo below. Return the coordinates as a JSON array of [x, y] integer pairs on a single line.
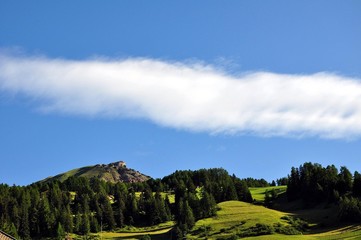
[[191, 96]]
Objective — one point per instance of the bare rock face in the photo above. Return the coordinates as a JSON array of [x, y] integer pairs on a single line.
[[118, 172], [117, 165], [112, 172]]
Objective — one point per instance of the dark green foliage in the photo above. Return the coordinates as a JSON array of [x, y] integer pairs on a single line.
[[46, 217], [67, 219], [80, 205], [252, 182], [107, 212], [287, 230], [356, 188], [24, 229], [94, 225], [145, 237], [85, 224], [177, 233], [60, 233], [297, 223], [77, 223], [242, 190], [350, 209], [270, 196], [10, 229], [282, 181], [216, 181], [185, 218], [257, 230], [315, 184], [344, 183], [208, 207]]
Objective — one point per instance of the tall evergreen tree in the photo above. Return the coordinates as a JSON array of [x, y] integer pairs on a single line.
[[188, 216], [94, 225], [85, 225], [67, 219], [108, 214], [24, 230], [356, 187], [344, 183], [47, 219], [208, 205], [60, 233]]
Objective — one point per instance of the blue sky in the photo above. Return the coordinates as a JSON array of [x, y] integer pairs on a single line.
[[255, 87]]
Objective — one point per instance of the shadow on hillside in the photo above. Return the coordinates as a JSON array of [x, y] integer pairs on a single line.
[[161, 236], [322, 217]]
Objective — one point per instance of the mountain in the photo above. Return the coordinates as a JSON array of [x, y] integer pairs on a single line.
[[112, 172]]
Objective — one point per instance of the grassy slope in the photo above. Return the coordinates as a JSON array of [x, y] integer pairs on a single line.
[[234, 216], [233, 213], [89, 171], [259, 193], [161, 231], [344, 233]]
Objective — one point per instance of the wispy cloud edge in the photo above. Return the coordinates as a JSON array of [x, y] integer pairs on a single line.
[[191, 96]]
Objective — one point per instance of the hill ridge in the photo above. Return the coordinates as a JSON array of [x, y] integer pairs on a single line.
[[112, 172]]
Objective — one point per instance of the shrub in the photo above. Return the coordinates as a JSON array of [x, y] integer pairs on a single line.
[[257, 230], [145, 237], [287, 230], [232, 237], [297, 223]]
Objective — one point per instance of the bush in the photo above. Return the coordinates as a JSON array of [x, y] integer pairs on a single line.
[[350, 209], [202, 229], [297, 223], [257, 230], [146, 237], [232, 237], [287, 230]]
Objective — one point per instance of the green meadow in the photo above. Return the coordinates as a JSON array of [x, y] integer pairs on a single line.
[[258, 193]]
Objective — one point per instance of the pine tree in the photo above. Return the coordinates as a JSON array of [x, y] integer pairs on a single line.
[[24, 214], [177, 234], [12, 231], [60, 233], [120, 212], [77, 223], [108, 214], [189, 218], [185, 218], [356, 187], [34, 212], [85, 225], [47, 219], [94, 225], [132, 208], [160, 205], [24, 226], [208, 205], [344, 181], [120, 218], [67, 219]]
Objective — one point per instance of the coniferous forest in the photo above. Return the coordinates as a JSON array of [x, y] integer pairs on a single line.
[[82, 205]]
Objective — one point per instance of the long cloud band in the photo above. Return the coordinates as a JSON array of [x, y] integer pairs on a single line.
[[195, 97]]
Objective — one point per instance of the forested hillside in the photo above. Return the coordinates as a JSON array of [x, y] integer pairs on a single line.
[[82, 205], [314, 184]]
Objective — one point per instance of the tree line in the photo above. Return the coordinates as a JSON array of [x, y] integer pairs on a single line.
[[81, 205], [314, 184]]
